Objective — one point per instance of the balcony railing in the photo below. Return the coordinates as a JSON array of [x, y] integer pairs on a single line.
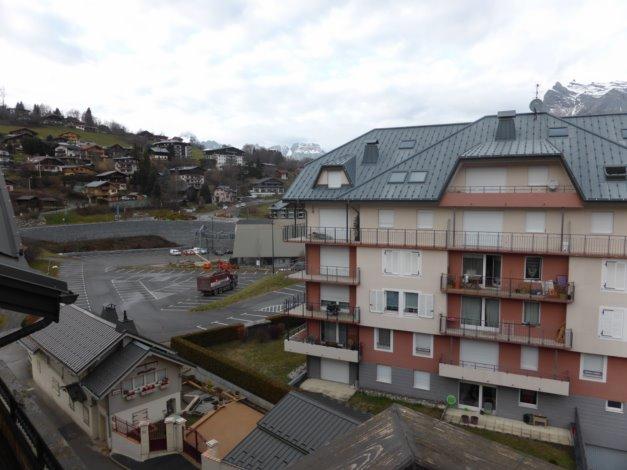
[[563, 376], [518, 333], [302, 335], [558, 290], [301, 341], [299, 307], [335, 274], [501, 242], [511, 189], [126, 429]]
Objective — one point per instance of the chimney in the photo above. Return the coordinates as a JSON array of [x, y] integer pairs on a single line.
[[505, 130]]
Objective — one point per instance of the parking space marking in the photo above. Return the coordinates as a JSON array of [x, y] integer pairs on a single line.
[[200, 327], [240, 319], [253, 315], [219, 323], [295, 290]]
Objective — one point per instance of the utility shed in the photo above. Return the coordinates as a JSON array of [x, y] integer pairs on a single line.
[[400, 438], [254, 239]]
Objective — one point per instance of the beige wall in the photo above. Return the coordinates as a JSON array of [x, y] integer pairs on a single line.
[[517, 174], [371, 263], [323, 179], [582, 316], [580, 222], [405, 217]]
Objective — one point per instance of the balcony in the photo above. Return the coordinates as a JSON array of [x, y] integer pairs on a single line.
[[518, 333], [299, 341], [614, 246], [511, 196], [325, 311], [558, 290], [335, 274], [557, 384]]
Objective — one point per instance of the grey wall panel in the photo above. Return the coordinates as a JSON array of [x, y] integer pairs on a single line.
[[602, 458], [313, 367], [353, 372]]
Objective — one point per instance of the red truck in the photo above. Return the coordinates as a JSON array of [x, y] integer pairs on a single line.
[[216, 282]]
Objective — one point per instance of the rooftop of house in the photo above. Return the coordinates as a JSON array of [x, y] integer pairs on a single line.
[[267, 180], [110, 173], [96, 184], [224, 151], [584, 144], [400, 438], [159, 150]]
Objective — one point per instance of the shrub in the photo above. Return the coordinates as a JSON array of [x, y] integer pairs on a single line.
[[217, 335]]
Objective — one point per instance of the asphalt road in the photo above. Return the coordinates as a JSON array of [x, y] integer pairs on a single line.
[[157, 299]]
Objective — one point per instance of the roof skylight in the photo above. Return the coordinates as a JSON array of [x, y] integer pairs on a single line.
[[397, 177], [616, 172], [407, 144], [417, 176], [558, 131], [624, 132]]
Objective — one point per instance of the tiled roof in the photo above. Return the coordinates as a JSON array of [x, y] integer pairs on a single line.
[[591, 144], [297, 425], [78, 338]]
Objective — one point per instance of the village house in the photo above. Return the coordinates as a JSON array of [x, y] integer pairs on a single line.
[[45, 164], [126, 165], [267, 187], [69, 136], [101, 190], [93, 151], [117, 150], [224, 195], [281, 174], [67, 150], [114, 176], [14, 138], [177, 149], [188, 176], [225, 156], [74, 170], [120, 388], [159, 154], [53, 120]]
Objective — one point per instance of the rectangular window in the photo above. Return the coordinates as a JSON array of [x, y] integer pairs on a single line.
[[558, 131], [422, 380], [138, 381], [614, 406], [407, 144], [334, 179], [377, 301], [383, 339], [384, 374], [538, 175], [528, 398], [417, 176], [386, 218], [614, 275], [391, 300], [533, 268], [127, 385], [535, 222], [531, 313], [411, 303], [528, 358], [397, 177], [161, 374], [85, 414], [611, 323], [480, 312], [602, 222], [593, 367], [425, 220], [423, 345]]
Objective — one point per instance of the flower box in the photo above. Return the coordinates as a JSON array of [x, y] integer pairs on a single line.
[[130, 396], [148, 389]]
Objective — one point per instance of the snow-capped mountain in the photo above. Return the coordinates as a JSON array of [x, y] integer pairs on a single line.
[[594, 98], [284, 149], [300, 151]]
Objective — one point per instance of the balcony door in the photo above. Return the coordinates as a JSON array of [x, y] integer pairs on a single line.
[[333, 332], [334, 261], [332, 224], [477, 397], [334, 295], [483, 270], [482, 229], [480, 313]]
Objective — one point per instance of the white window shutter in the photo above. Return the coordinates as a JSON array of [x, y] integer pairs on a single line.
[[425, 305], [610, 275], [405, 263], [414, 263], [605, 323], [621, 275], [617, 324], [396, 262], [376, 301]]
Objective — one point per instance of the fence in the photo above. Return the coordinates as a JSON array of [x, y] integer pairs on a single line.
[[157, 436], [581, 461], [126, 429], [194, 445]]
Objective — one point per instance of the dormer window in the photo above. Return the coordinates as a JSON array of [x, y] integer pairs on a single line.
[[334, 179]]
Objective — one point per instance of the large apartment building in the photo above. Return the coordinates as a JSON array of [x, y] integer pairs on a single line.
[[483, 260]]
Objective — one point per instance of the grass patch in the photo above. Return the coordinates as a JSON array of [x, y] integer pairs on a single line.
[[376, 404], [72, 217], [54, 131], [268, 357], [103, 244], [45, 262], [257, 211], [262, 286]]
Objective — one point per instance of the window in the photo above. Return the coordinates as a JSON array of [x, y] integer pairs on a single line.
[[480, 312], [614, 172], [422, 380], [614, 406], [614, 275], [531, 313], [528, 358], [417, 177], [377, 301], [127, 385], [85, 414], [397, 177], [423, 345], [383, 339], [161, 374], [401, 262], [528, 398], [384, 374], [535, 222], [533, 268], [386, 218], [602, 222], [411, 302], [425, 220], [538, 175], [611, 323], [558, 131], [407, 144], [593, 367], [334, 179], [391, 300], [624, 133]]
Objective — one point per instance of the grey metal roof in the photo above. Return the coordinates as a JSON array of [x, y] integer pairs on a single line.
[[298, 425], [590, 145], [400, 438], [78, 338], [110, 371]]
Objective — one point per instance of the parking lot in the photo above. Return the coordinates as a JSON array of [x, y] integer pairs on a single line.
[[159, 298]]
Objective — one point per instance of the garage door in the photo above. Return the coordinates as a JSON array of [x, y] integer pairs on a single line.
[[486, 180], [336, 371], [483, 228], [479, 353], [333, 223], [334, 260]]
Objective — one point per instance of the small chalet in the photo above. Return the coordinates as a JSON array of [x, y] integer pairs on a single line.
[[93, 150], [46, 164], [117, 150], [102, 190], [23, 131], [69, 136], [53, 120], [126, 165], [73, 170], [159, 154], [193, 176], [224, 195], [267, 187]]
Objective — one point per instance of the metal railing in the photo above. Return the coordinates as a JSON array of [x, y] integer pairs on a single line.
[[519, 333], [511, 189], [301, 334], [341, 274], [563, 376], [579, 447], [126, 429], [298, 306], [558, 290], [508, 242]]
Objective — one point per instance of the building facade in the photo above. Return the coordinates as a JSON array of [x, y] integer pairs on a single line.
[[486, 261], [225, 156]]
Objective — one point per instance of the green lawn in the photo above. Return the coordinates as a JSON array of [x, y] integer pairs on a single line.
[[262, 286], [47, 263], [374, 404], [267, 358], [54, 131]]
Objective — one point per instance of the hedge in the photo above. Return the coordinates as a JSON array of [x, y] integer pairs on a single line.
[[238, 374], [217, 335]]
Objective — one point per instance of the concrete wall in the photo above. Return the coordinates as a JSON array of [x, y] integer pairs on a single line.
[[123, 445]]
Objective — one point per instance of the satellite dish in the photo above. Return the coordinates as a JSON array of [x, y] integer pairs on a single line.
[[552, 185], [536, 105]]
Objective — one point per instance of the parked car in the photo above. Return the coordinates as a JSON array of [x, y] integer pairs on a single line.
[[200, 251], [219, 252], [175, 252]]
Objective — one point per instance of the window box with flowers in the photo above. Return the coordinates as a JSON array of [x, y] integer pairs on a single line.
[[164, 383], [130, 394], [148, 389]]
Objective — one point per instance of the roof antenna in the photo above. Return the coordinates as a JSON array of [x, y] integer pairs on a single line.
[[536, 105]]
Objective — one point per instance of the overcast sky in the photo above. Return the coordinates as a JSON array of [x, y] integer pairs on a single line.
[[277, 72]]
